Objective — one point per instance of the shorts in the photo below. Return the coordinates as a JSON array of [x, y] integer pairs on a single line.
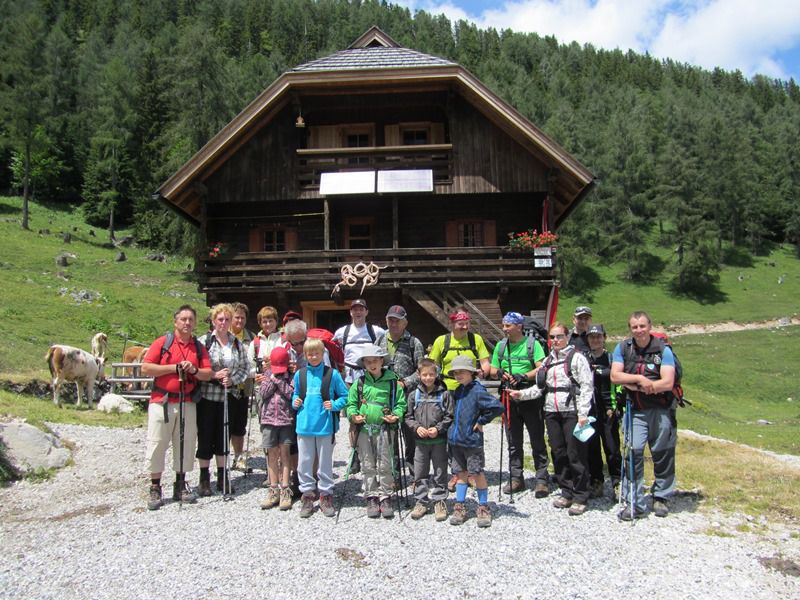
[[467, 459], [237, 415], [273, 436]]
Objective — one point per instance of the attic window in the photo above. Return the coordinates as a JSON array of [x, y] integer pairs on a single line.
[[415, 137]]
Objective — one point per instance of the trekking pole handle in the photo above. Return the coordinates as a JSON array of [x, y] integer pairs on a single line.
[[181, 373]]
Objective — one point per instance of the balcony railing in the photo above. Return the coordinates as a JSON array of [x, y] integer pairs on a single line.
[[311, 163], [316, 270]]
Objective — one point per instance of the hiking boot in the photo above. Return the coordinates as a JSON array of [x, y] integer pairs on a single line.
[[154, 501], [514, 486], [459, 514], [625, 514], [271, 500], [373, 508], [576, 509], [614, 490], [660, 508], [451, 485], [182, 493], [483, 516], [307, 505], [386, 508], [541, 490], [562, 502], [419, 511], [204, 489], [440, 510], [326, 505], [286, 499], [596, 489]]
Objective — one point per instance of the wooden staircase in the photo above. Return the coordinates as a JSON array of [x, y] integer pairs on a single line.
[[486, 314]]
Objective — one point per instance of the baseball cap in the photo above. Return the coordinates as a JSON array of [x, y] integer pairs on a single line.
[[396, 312], [583, 310], [358, 302], [291, 316], [279, 360], [596, 329]]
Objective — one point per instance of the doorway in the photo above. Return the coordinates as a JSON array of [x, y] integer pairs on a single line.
[[325, 314]]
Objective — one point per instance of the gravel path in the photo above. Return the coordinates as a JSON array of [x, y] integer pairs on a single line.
[[86, 534]]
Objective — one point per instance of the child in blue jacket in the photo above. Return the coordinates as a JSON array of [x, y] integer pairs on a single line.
[[316, 426], [474, 408]]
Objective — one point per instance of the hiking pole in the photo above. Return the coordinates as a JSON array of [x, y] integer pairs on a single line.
[[226, 483], [401, 444], [181, 429], [250, 401], [502, 437], [631, 463]]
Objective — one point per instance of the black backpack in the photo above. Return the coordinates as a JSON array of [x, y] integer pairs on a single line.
[[470, 340]]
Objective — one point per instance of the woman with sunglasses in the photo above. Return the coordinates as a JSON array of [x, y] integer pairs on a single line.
[[566, 383]]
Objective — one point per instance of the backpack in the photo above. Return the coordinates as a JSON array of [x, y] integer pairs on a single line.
[[470, 340], [438, 400], [534, 327], [170, 339], [567, 362], [335, 351], [629, 355], [503, 344]]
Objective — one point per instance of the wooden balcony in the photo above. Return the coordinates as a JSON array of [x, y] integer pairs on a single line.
[[321, 270], [311, 163]]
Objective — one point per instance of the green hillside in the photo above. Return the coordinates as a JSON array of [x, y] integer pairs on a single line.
[[136, 297]]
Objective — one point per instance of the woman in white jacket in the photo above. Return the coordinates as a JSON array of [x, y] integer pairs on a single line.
[[566, 383]]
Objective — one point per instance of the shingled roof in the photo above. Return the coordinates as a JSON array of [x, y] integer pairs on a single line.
[[373, 57]]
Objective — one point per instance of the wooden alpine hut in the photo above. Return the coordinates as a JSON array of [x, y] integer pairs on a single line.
[[382, 172]]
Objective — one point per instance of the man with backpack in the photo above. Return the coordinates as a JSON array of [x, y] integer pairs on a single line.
[[178, 362], [582, 320], [646, 367], [352, 337], [514, 363], [459, 341]]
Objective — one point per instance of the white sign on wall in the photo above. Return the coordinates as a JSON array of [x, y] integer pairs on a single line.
[[354, 182]]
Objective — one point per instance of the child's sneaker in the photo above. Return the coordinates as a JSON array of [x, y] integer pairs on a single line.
[[440, 510], [326, 505], [419, 511], [286, 499], [459, 514], [483, 516], [307, 506], [373, 508], [386, 508], [271, 500]]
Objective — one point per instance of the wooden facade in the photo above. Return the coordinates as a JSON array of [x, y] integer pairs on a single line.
[[370, 114]]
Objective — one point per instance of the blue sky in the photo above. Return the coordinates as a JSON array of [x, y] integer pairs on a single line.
[[754, 36]]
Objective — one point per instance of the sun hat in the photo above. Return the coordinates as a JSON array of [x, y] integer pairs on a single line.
[[462, 363], [370, 350]]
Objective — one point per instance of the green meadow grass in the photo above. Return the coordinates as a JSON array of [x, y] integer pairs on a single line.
[[138, 296]]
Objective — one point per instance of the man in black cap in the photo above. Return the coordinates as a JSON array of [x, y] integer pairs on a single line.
[[582, 319], [354, 335], [404, 353]]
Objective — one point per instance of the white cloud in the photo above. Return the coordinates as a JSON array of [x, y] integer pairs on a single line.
[[732, 34]]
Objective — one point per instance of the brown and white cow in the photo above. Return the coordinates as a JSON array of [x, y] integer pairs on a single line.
[[133, 354], [68, 363]]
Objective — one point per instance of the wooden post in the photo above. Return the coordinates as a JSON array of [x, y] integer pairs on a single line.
[[327, 226], [395, 224]]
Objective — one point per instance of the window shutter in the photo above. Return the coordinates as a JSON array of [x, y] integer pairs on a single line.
[[451, 234], [291, 239], [490, 233], [256, 243]]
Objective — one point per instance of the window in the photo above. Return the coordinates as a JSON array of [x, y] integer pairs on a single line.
[[275, 240], [359, 233], [470, 234], [358, 136], [415, 137]]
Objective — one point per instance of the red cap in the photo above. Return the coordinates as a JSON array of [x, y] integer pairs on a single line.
[[279, 360], [290, 316]]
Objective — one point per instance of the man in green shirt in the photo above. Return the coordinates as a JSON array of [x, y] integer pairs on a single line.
[[514, 363], [459, 341]]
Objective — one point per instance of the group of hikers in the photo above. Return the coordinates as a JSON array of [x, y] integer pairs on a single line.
[[412, 412]]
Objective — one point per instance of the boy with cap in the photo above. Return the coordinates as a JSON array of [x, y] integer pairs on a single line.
[[605, 411], [277, 427], [375, 404], [474, 408], [355, 335], [514, 362], [582, 319]]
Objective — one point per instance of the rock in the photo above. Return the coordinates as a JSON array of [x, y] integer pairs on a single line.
[[44, 232], [61, 260], [67, 238], [157, 257], [121, 257], [125, 241], [763, 422], [29, 448], [62, 275], [785, 321], [114, 403]]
